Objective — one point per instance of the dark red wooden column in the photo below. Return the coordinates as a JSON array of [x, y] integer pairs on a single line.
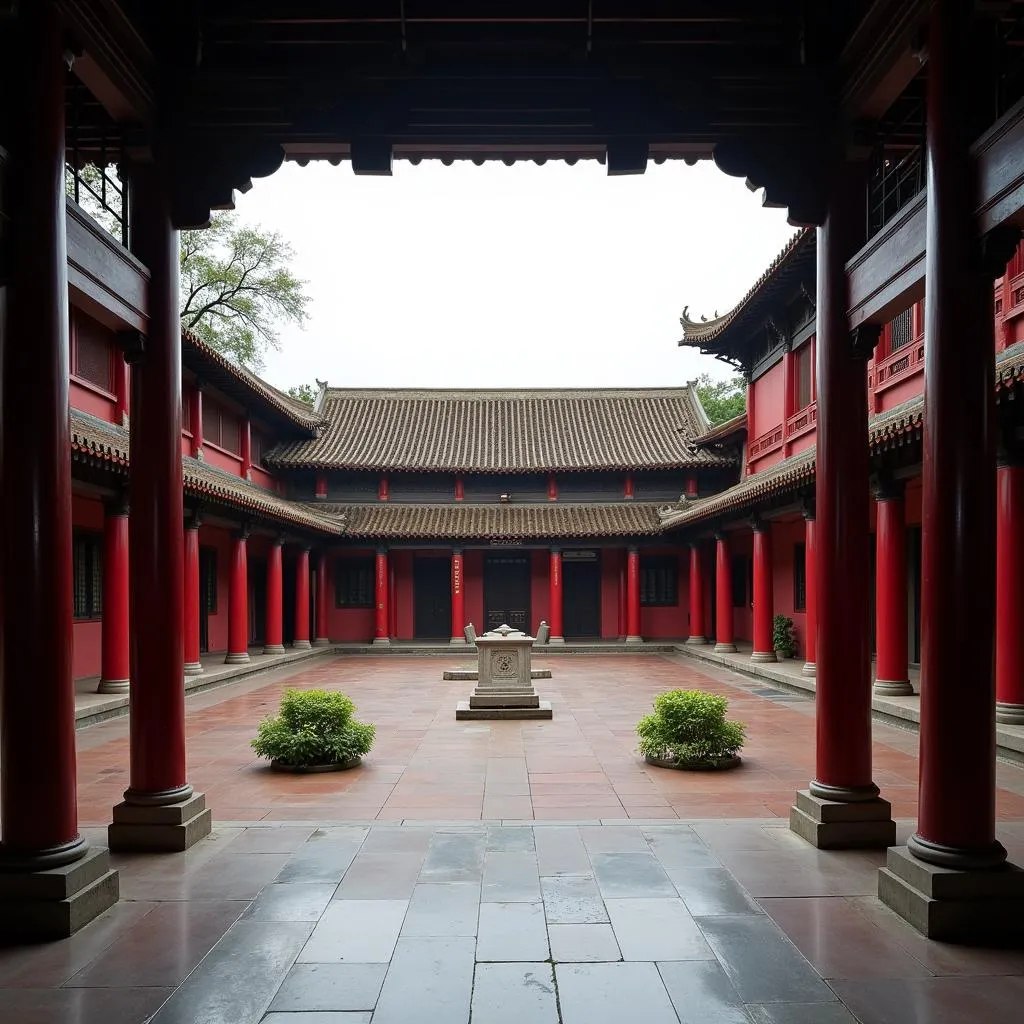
[[115, 669], [696, 596], [323, 608], [810, 592], [193, 597], [301, 641], [764, 648], [956, 814], [891, 675], [381, 635], [38, 806], [555, 597], [724, 643], [633, 635], [147, 820], [238, 600], [273, 633], [1010, 591], [458, 599]]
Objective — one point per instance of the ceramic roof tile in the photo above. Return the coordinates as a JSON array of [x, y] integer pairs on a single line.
[[492, 431]]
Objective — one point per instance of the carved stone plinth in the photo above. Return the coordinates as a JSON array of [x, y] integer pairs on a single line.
[[504, 677]]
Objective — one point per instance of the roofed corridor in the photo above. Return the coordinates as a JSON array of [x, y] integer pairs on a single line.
[[489, 872]]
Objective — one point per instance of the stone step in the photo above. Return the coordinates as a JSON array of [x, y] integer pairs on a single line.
[[463, 712], [508, 700]]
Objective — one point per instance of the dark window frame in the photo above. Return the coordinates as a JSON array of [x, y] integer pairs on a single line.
[[800, 577], [659, 581], [87, 574], [803, 372], [208, 554], [740, 569], [355, 583]]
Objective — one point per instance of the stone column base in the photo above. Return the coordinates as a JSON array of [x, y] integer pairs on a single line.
[[273, 649], [764, 656], [164, 828], [832, 825], [193, 668], [301, 645], [809, 669], [893, 688], [237, 658], [982, 907], [321, 641], [1010, 714], [696, 641], [634, 640], [460, 640], [53, 904], [113, 686], [382, 641], [728, 648]]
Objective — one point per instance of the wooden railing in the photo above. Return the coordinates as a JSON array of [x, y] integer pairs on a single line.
[[802, 421]]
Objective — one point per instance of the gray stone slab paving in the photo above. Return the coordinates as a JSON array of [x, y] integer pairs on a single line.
[[324, 857], [381, 876], [291, 902], [429, 980], [583, 943], [761, 962], [512, 931], [509, 839], [572, 899], [680, 847], [561, 851], [631, 875], [443, 909], [330, 987], [657, 929], [514, 994], [708, 892], [612, 994], [702, 993], [454, 857], [801, 1013], [317, 1017], [510, 878], [360, 931], [614, 839], [238, 977]]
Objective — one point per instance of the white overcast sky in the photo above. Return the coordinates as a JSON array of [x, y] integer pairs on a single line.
[[522, 276]]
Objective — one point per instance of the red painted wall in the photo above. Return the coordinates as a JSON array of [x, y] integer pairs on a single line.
[[222, 459], [669, 623], [784, 536], [220, 539], [769, 411], [540, 588], [86, 513], [473, 588], [348, 625], [401, 562], [262, 478], [612, 561], [93, 402]]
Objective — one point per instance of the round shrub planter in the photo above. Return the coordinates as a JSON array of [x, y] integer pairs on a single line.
[[721, 764], [312, 769]]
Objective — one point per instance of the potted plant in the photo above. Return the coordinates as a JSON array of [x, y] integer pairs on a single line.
[[783, 637], [688, 730], [314, 732]]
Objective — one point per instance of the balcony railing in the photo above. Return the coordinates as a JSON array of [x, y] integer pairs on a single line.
[[802, 421]]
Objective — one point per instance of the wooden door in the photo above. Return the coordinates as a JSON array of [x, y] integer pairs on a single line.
[[507, 591], [581, 594], [432, 598]]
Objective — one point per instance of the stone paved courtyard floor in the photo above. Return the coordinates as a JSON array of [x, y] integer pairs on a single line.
[[408, 891]]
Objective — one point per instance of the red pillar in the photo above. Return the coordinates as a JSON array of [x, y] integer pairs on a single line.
[[238, 600], [193, 597], [381, 635], [956, 814], [157, 517], [1010, 593], [120, 387], [196, 419], [764, 648], [38, 807], [246, 452], [273, 642], [633, 635], [811, 593], [696, 596], [323, 629], [458, 599], [302, 600], [555, 598], [891, 676], [724, 643], [552, 487], [115, 670]]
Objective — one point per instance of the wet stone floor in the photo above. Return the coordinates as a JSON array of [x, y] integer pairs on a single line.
[[714, 922]]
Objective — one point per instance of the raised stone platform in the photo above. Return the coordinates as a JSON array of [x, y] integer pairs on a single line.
[[463, 712], [472, 675]]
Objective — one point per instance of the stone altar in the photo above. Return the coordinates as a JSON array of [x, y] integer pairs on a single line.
[[504, 686]]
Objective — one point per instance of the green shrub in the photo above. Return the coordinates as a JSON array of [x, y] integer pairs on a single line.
[[783, 636], [689, 726], [314, 727]]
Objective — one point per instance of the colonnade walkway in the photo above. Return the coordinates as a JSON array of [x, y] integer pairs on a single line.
[[506, 871]]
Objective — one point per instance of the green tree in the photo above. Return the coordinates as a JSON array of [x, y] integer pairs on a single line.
[[304, 393], [722, 399], [236, 287]]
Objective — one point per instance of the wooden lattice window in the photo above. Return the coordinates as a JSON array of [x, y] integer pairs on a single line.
[[804, 373], [208, 574], [355, 583], [799, 578], [659, 581], [93, 354], [87, 573], [901, 330]]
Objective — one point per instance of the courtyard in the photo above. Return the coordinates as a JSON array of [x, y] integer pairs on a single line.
[[506, 871]]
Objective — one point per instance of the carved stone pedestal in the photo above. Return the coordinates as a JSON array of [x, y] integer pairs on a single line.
[[504, 679]]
